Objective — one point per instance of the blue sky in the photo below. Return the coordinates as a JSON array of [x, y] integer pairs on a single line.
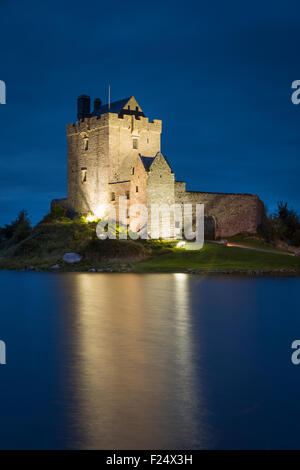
[[218, 74]]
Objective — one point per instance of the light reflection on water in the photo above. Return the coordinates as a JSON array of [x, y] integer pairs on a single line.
[[133, 371]]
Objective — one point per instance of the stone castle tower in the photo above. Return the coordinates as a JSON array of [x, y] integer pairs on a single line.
[[115, 150]]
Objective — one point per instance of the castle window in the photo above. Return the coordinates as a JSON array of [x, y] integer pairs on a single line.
[[132, 171], [127, 195], [85, 141], [127, 215], [83, 175], [136, 189], [113, 196], [128, 107], [147, 141], [135, 143], [136, 108]]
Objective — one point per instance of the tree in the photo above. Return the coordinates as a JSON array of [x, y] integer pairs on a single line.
[[19, 229], [266, 228], [287, 224]]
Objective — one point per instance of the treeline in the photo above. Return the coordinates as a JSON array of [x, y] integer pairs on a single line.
[[17, 230], [283, 225], [21, 227]]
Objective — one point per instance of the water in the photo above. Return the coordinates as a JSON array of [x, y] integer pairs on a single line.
[[118, 361]]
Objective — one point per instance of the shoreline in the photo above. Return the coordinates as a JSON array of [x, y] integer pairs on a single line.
[[65, 251], [211, 272]]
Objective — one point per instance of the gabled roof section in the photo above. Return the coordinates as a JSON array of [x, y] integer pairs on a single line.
[[147, 161], [115, 107], [168, 164], [125, 106]]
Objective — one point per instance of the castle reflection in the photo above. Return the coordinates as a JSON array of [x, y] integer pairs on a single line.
[[131, 367]]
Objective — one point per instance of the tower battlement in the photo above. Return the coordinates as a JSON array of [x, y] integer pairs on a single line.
[[89, 123]]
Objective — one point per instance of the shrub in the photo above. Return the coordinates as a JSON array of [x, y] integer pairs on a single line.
[[2, 234], [287, 223], [283, 225], [57, 212]]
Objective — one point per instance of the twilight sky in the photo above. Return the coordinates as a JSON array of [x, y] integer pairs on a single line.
[[218, 74]]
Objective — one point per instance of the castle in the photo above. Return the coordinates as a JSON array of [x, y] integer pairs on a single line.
[[115, 150]]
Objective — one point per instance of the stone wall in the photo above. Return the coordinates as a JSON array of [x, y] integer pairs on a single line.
[[101, 151], [117, 190], [124, 134], [233, 213], [88, 164], [160, 190], [138, 188], [155, 186]]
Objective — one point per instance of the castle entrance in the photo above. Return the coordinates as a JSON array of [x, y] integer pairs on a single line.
[[209, 228]]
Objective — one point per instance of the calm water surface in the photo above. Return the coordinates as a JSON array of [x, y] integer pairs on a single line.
[[120, 361]]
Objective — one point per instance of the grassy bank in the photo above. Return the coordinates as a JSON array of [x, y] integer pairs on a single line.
[[214, 257], [46, 245], [50, 240], [252, 241]]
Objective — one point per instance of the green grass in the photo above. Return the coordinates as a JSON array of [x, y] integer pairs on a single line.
[[217, 257], [50, 240], [246, 239]]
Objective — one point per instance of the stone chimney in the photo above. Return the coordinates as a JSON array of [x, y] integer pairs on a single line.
[[97, 105], [83, 107]]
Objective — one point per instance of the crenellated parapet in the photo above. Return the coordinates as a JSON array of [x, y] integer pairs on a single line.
[[87, 124], [113, 119]]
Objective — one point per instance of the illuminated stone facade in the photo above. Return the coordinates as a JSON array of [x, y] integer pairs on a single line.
[[115, 150]]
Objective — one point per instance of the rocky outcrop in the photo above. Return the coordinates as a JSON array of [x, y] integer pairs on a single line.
[[72, 258]]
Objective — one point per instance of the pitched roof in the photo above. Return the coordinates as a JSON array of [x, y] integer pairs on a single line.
[[115, 107], [147, 161], [168, 164]]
